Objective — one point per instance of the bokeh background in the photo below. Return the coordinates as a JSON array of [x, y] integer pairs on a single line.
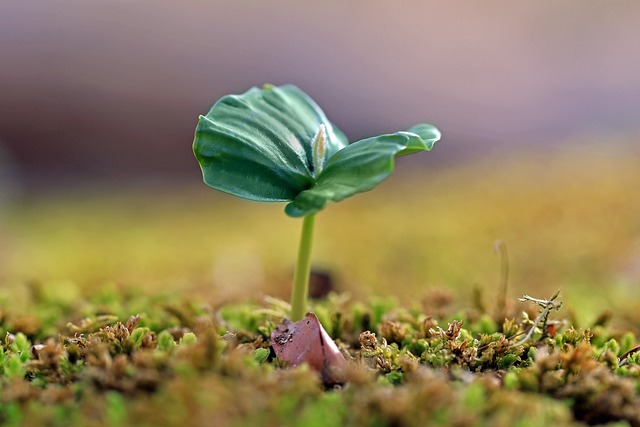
[[538, 101]]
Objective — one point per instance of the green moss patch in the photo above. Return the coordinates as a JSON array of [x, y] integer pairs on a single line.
[[184, 363]]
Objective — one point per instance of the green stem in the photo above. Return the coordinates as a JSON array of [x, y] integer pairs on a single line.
[[302, 271]]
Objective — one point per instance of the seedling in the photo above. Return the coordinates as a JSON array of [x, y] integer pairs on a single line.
[[274, 144]]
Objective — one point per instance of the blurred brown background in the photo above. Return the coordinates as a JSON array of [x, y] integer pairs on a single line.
[[538, 102], [112, 90]]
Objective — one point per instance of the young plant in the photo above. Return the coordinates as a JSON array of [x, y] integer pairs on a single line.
[[275, 144]]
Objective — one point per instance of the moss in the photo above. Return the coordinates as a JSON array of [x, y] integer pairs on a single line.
[[176, 363]]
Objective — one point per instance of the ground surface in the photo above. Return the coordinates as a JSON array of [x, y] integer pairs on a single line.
[[128, 309]]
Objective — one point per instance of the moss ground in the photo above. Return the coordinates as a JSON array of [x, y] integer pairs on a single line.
[[149, 307]]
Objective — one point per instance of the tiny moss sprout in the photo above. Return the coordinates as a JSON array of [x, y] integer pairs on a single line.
[[275, 144]]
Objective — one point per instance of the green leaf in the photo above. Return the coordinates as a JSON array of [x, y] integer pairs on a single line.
[[258, 145], [359, 167], [276, 144], [429, 134]]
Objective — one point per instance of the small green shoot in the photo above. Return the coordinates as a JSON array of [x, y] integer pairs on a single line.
[[165, 341], [276, 144], [260, 355]]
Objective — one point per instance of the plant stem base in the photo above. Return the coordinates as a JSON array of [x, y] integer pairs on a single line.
[[300, 290]]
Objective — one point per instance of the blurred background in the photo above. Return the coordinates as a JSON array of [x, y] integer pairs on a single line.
[[538, 102]]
